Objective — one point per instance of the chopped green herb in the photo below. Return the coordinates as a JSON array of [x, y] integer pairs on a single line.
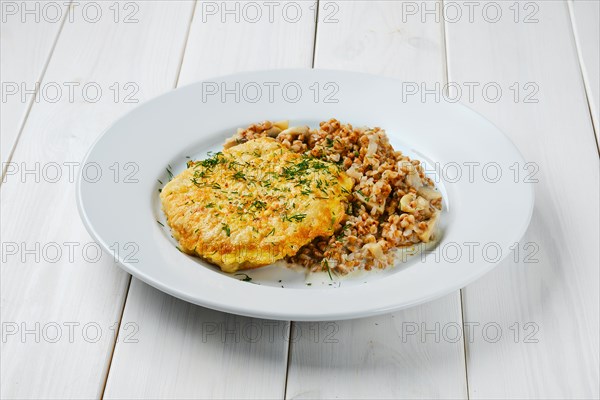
[[226, 229], [364, 196], [212, 161], [295, 217], [246, 277], [328, 269], [259, 205], [239, 175]]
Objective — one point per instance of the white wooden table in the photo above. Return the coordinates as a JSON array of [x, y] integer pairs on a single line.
[[530, 327]]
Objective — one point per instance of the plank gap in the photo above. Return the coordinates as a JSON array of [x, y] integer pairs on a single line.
[[112, 353], [315, 34], [291, 326], [30, 105], [185, 42], [289, 360], [187, 35], [444, 26], [584, 78], [462, 322], [445, 44]]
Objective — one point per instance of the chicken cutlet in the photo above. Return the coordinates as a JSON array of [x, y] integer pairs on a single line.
[[254, 203]]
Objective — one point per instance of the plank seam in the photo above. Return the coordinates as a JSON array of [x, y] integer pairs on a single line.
[[581, 65], [288, 361], [30, 105], [185, 43], [460, 292], [289, 352], [462, 321], [112, 353], [315, 34], [181, 58]]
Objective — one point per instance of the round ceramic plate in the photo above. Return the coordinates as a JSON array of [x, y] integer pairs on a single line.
[[488, 197]]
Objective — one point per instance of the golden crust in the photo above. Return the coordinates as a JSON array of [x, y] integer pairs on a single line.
[[253, 204]]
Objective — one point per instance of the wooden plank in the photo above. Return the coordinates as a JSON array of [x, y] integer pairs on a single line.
[[585, 15], [25, 49], [390, 356], [54, 283], [548, 291], [279, 38], [186, 351]]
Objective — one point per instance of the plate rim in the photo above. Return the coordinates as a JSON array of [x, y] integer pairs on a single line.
[[232, 308]]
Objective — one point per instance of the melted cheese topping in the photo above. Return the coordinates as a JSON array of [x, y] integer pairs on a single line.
[[254, 203]]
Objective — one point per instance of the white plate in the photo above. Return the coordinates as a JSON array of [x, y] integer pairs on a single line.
[[486, 209]]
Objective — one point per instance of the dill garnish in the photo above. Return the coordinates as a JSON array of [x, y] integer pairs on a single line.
[[364, 196], [296, 217], [259, 205], [226, 229], [212, 161], [246, 277], [239, 175], [328, 269]]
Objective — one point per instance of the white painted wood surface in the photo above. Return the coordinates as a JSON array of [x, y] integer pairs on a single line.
[[25, 49], [558, 294], [585, 15], [381, 357], [63, 290], [186, 351], [170, 349]]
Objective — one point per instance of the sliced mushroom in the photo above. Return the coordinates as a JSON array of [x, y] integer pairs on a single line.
[[234, 141], [425, 236], [283, 125], [405, 203], [375, 249], [429, 193], [411, 204], [353, 173], [413, 179], [273, 132], [422, 203], [372, 148], [296, 131]]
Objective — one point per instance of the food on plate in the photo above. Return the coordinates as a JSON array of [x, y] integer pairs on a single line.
[[392, 203], [255, 203], [335, 199]]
